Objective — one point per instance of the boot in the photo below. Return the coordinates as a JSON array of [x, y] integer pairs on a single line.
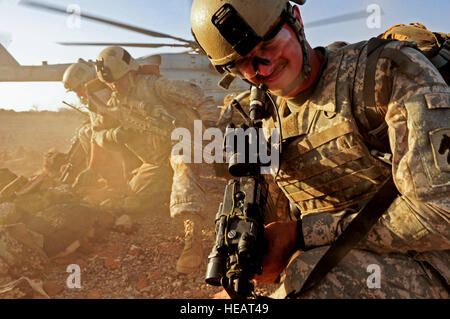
[[192, 255]]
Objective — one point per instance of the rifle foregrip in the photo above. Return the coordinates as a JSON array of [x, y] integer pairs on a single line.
[[237, 255]]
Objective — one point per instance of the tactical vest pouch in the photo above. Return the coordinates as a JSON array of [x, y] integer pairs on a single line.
[[149, 69], [326, 165]]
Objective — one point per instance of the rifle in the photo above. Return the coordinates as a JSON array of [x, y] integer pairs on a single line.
[[76, 162], [239, 247], [136, 119], [75, 108]]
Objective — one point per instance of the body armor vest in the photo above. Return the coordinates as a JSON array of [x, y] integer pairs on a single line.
[[325, 164]]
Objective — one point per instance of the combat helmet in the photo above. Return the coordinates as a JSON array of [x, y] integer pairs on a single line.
[[77, 75], [229, 29], [113, 63]]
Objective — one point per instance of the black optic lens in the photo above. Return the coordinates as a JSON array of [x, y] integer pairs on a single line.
[[104, 71], [235, 29]]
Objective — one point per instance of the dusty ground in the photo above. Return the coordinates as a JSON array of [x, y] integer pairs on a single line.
[[139, 264], [38, 131], [26, 136]]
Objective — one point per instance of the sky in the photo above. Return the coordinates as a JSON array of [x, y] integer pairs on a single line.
[[31, 35]]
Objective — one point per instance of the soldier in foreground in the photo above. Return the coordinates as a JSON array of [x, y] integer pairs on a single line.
[[163, 104], [341, 113]]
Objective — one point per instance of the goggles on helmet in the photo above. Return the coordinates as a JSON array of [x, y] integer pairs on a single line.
[[104, 73], [235, 29]]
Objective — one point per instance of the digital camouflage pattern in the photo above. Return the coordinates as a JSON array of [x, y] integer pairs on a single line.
[[189, 94], [417, 224], [355, 277]]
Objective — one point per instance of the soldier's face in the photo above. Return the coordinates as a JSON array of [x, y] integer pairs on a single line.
[[276, 63]]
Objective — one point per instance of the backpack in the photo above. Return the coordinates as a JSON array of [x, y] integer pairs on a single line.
[[434, 45]]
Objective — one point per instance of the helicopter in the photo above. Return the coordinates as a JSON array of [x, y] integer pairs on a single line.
[[191, 65]]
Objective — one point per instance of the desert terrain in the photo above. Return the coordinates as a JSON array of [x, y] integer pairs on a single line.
[[139, 263]]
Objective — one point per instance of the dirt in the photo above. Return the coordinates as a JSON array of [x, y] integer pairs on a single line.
[[141, 264], [136, 264], [26, 136], [38, 131]]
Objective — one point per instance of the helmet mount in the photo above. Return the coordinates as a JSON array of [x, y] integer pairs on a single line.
[[243, 39]]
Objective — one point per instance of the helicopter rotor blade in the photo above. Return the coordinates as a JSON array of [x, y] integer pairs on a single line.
[[337, 19], [43, 6], [137, 45]]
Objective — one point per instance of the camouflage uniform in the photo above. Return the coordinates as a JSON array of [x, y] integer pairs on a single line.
[[150, 182], [207, 108], [111, 164], [115, 166], [328, 171]]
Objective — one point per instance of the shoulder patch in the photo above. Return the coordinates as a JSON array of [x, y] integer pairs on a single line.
[[437, 100]]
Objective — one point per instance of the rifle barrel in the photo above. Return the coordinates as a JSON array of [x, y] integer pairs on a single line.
[[75, 108]]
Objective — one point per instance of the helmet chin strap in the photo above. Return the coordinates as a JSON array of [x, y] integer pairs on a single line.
[[302, 39], [291, 19]]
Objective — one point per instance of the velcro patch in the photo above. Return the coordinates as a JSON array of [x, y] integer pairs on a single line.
[[440, 144], [437, 100]]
